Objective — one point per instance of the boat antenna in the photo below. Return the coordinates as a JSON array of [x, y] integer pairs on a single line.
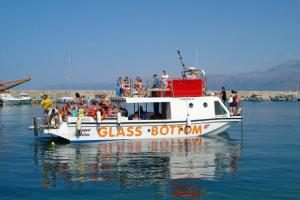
[[181, 61], [69, 70], [196, 57]]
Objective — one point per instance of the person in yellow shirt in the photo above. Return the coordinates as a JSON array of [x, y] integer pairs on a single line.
[[46, 103]]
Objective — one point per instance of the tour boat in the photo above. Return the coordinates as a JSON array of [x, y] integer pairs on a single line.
[[181, 109]]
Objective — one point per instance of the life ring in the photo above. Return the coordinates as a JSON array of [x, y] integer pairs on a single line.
[[103, 113]]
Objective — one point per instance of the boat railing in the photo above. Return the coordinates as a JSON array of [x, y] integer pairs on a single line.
[[171, 87]]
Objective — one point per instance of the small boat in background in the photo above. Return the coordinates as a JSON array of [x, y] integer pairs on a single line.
[[7, 99], [280, 97], [255, 97], [65, 99], [291, 97], [24, 98]]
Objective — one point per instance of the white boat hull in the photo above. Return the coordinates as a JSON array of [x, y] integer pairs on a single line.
[[11, 101], [15, 102], [89, 130]]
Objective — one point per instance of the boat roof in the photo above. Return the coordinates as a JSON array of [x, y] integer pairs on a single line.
[[153, 99]]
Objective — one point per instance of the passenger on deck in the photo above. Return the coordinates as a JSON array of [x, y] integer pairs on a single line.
[[237, 103], [155, 84], [119, 88], [126, 87], [223, 95], [78, 99], [138, 86], [143, 114], [112, 111], [74, 112], [81, 111], [231, 104], [66, 110], [54, 118], [92, 111], [165, 78], [46, 103], [105, 101], [124, 112], [234, 103], [134, 116]]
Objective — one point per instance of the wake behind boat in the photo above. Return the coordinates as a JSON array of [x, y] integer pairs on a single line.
[[177, 109]]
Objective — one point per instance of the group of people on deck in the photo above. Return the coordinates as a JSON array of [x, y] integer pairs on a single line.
[[123, 88], [78, 108], [233, 101]]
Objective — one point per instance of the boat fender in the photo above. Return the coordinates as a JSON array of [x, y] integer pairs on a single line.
[[78, 124], [103, 113], [188, 121], [98, 116], [119, 118], [35, 126]]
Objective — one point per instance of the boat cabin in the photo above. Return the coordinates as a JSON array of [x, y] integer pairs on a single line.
[[169, 108]]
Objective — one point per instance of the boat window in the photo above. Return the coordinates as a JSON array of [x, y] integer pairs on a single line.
[[205, 105], [219, 110], [149, 111]]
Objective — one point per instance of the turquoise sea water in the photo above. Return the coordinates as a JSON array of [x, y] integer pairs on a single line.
[[260, 161]]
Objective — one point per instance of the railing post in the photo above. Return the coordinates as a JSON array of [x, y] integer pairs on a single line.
[[35, 127]]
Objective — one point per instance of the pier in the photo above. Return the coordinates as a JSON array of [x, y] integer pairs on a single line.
[[55, 94]]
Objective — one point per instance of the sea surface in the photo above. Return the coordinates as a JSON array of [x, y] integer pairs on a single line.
[[258, 159]]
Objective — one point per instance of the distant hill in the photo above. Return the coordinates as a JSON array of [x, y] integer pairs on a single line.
[[285, 76], [82, 86]]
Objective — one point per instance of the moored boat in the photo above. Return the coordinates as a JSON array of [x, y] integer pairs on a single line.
[[24, 98], [65, 99], [255, 97], [279, 97], [291, 97], [7, 99]]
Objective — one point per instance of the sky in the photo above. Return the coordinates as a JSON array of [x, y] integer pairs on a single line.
[[112, 38]]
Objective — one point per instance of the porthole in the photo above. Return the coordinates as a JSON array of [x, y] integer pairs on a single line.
[[191, 105], [205, 105]]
